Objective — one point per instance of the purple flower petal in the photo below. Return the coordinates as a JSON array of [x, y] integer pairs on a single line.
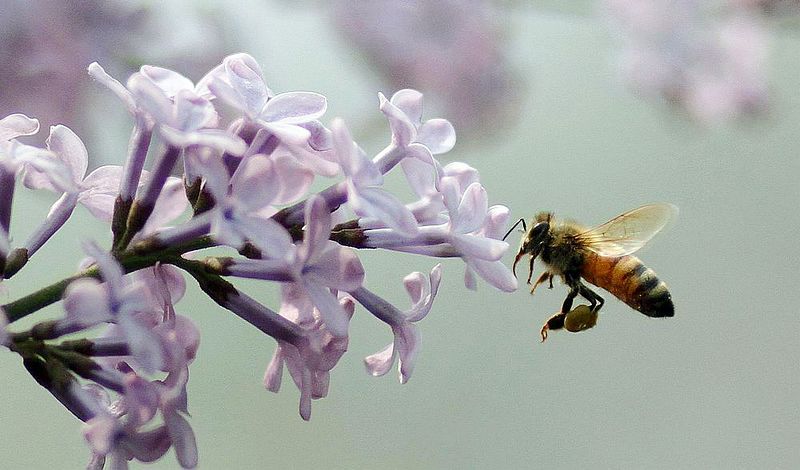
[[337, 267], [384, 206], [410, 103], [146, 346], [291, 178], [294, 107], [495, 273], [333, 315], [97, 72], [214, 138], [86, 302], [245, 78], [472, 210], [406, 340], [381, 362], [151, 99], [403, 130], [317, 230], [193, 112], [15, 125], [183, 440], [274, 372], [473, 246], [288, 133], [438, 135], [169, 81]]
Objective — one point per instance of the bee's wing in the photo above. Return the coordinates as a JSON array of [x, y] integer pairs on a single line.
[[628, 232]]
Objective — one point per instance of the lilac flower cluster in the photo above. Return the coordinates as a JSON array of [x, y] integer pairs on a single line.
[[710, 62], [245, 185]]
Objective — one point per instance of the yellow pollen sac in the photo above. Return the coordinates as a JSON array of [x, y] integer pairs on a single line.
[[580, 318]]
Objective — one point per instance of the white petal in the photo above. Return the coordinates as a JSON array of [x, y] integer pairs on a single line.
[[381, 362]]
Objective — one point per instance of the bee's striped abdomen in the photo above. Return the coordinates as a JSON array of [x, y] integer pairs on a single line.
[[631, 282]]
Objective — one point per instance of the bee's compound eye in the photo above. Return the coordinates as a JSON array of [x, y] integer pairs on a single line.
[[580, 318], [539, 230]]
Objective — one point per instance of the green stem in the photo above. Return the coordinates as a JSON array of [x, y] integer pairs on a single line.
[[130, 262]]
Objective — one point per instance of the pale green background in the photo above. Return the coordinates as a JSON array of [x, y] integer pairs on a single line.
[[714, 387]]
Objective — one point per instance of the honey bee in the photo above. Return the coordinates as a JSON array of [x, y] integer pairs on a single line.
[[602, 256]]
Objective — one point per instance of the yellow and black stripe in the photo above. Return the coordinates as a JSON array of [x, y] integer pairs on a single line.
[[631, 282]]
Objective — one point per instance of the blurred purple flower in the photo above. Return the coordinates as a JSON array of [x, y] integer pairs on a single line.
[[47, 45], [713, 66], [452, 50]]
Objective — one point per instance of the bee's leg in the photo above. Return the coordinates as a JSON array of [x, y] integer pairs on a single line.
[[573, 292], [530, 272], [594, 299], [545, 275], [556, 322]]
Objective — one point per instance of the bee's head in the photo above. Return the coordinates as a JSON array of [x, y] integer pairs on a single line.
[[536, 238]]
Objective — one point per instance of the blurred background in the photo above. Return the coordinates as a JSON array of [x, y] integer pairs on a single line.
[[586, 108]]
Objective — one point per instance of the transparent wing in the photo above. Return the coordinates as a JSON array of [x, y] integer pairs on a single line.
[[628, 232]]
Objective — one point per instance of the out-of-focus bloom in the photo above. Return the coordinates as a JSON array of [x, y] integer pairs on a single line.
[[406, 337], [712, 65], [450, 49], [47, 45]]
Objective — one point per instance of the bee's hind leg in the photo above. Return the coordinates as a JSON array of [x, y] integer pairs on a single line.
[[594, 299], [556, 322]]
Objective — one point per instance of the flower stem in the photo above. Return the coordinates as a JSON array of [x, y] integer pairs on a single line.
[[129, 260]]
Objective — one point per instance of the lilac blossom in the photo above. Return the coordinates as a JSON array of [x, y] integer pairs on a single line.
[[95, 191], [239, 82], [316, 266], [363, 178], [88, 303], [310, 360], [244, 201], [406, 337], [249, 182]]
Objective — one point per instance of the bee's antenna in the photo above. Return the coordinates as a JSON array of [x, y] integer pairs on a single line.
[[520, 221]]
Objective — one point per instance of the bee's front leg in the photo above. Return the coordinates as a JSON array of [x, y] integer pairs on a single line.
[[530, 271], [545, 276]]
